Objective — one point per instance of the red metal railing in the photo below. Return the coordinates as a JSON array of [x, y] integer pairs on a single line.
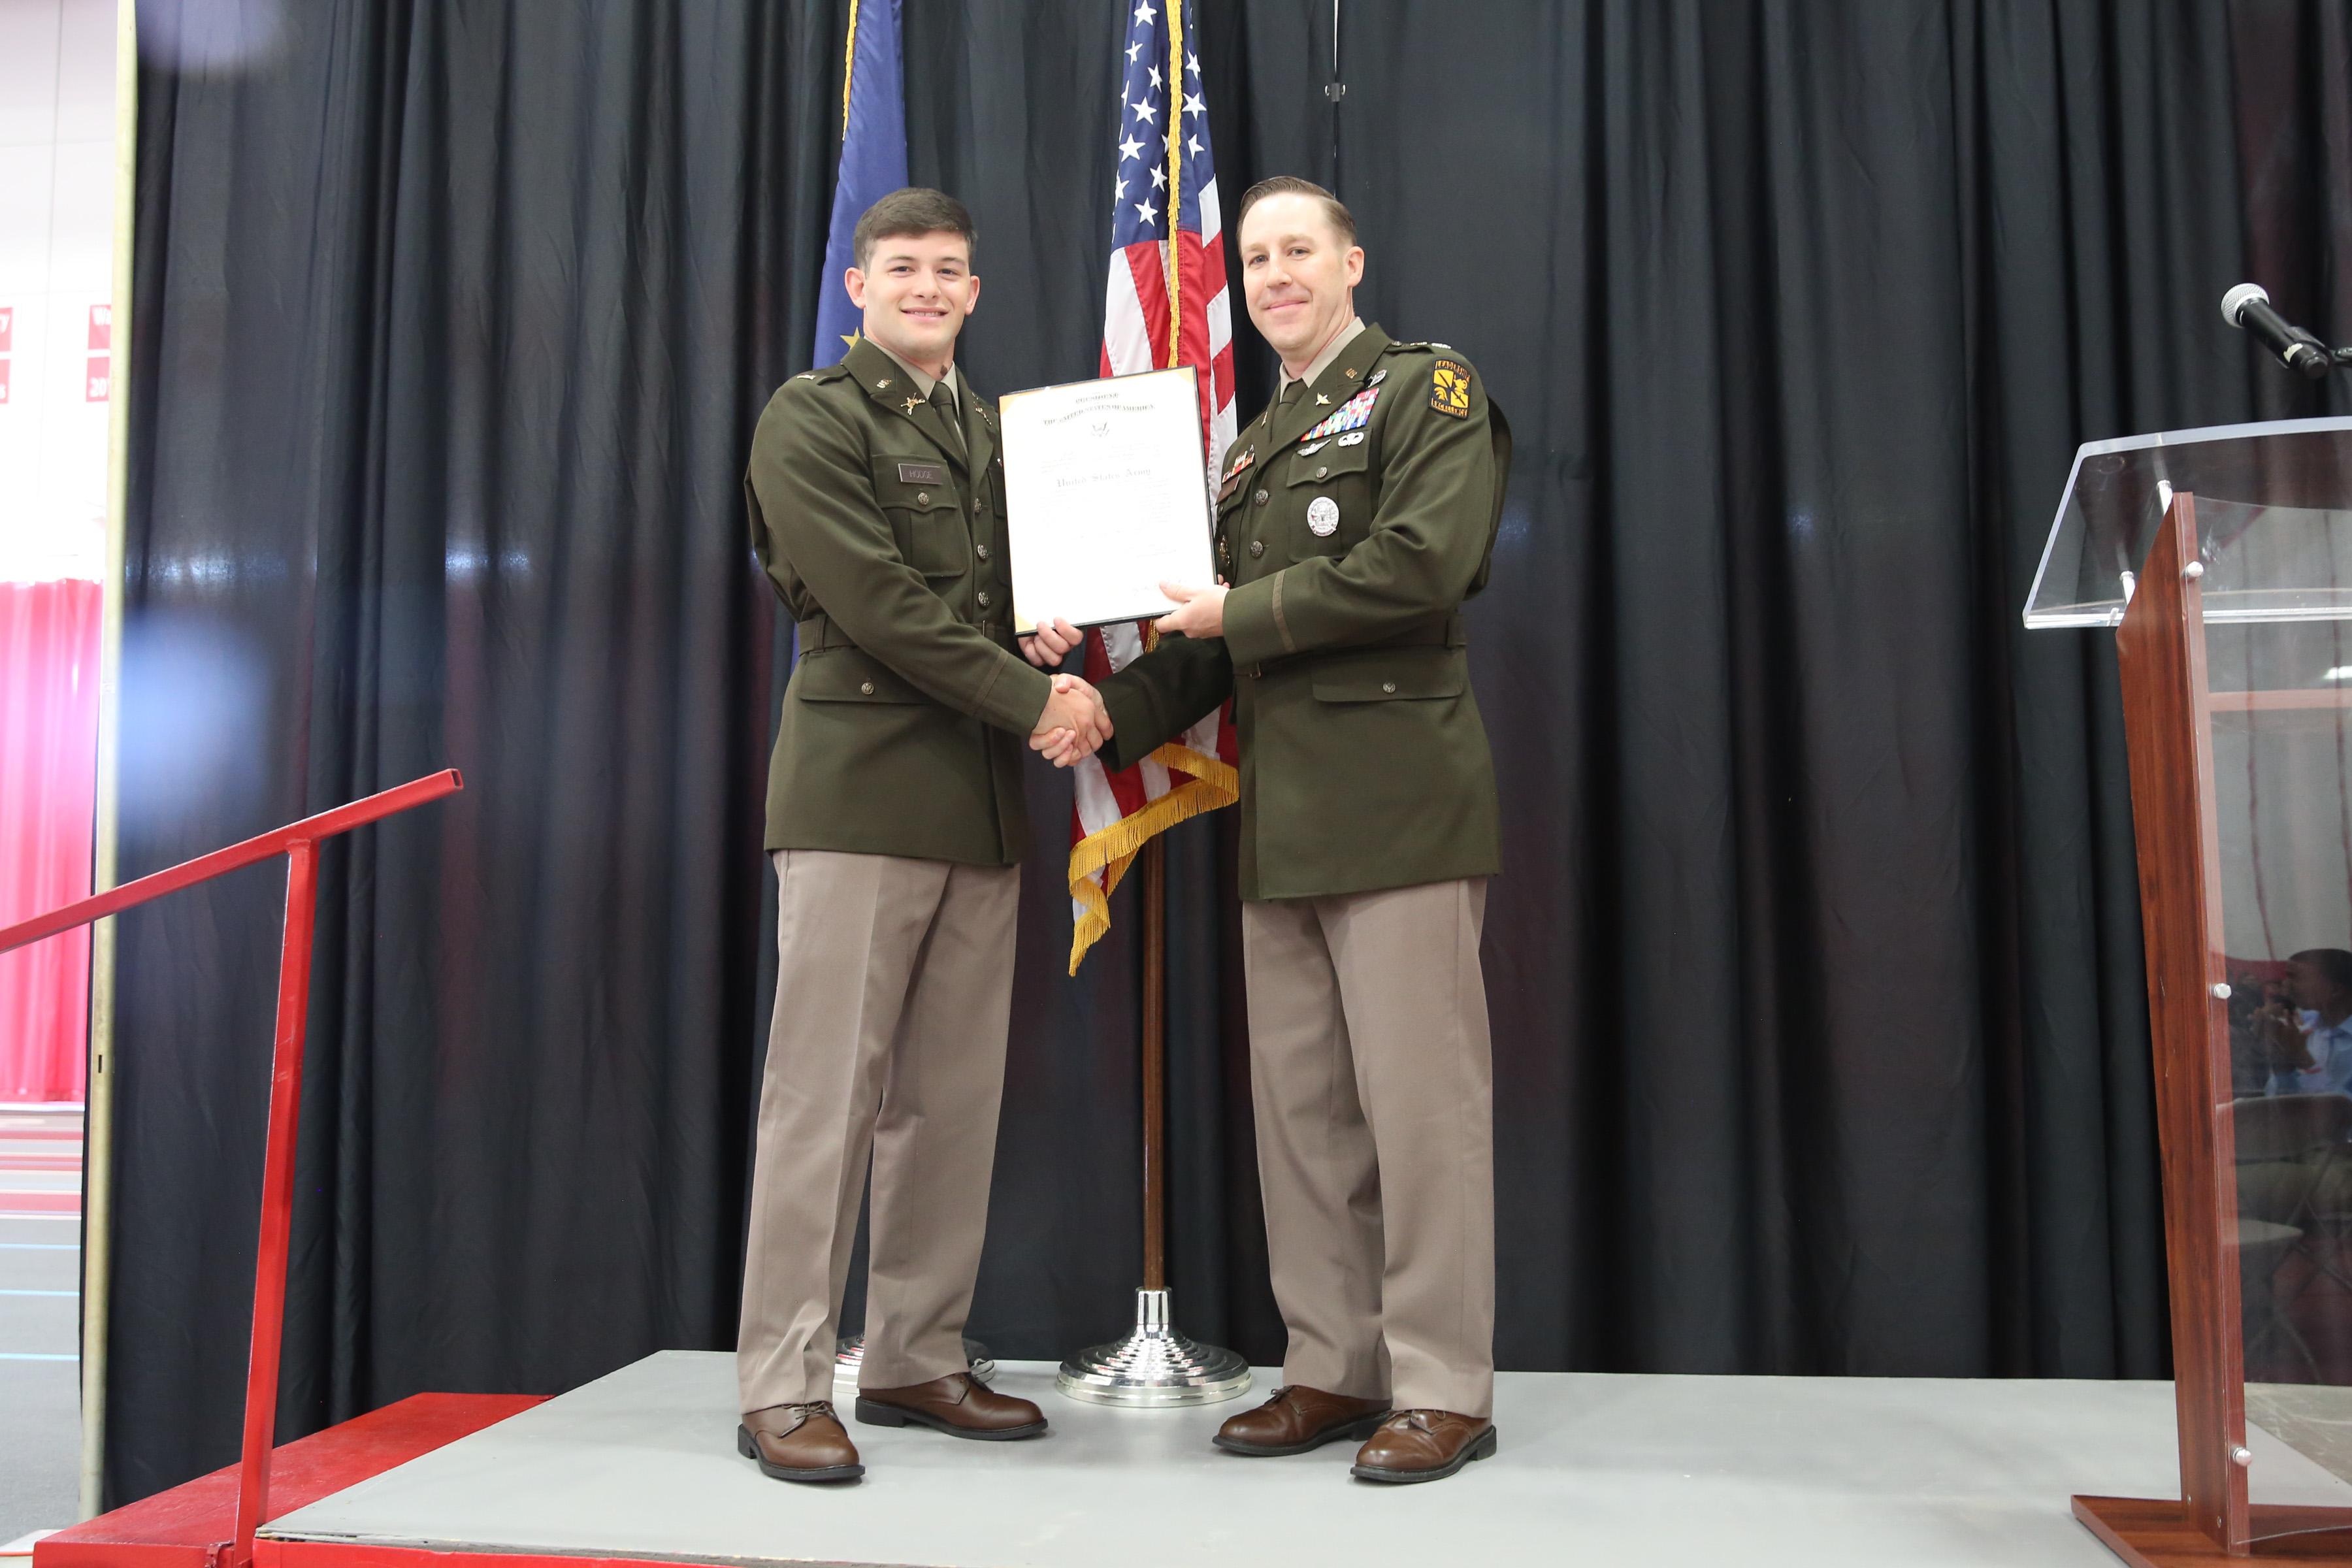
[[298, 842]]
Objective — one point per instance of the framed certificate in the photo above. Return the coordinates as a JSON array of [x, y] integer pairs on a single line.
[[1105, 496]]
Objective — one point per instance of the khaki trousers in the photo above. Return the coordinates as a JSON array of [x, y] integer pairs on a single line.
[[1373, 1081], [894, 986]]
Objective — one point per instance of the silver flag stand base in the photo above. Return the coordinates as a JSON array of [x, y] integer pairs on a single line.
[[1154, 1365], [849, 1359]]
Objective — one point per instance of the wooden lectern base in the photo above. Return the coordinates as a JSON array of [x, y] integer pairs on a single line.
[[2150, 1534]]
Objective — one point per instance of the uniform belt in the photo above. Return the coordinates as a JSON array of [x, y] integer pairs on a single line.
[[1451, 634], [1448, 633], [815, 633], [818, 633]]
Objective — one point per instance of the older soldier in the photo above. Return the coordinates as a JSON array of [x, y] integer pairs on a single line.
[[1354, 517], [895, 817]]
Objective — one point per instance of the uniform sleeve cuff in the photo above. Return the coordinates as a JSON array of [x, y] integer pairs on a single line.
[[1134, 721], [1017, 695], [1253, 630]]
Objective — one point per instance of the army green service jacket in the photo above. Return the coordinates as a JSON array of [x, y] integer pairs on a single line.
[[1351, 524], [908, 712]]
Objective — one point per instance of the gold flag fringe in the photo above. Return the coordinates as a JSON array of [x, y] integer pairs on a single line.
[[1213, 784]]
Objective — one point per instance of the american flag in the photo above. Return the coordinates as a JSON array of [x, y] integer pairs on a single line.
[[1165, 305]]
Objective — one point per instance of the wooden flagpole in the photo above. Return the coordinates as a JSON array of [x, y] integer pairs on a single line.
[[1155, 1063]]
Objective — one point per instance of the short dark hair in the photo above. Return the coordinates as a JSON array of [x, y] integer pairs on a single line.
[[1334, 208], [917, 209], [2334, 964]]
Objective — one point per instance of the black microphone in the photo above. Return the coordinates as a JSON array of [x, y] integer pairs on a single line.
[[2247, 307]]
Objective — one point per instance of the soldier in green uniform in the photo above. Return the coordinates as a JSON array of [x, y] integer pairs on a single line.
[[895, 823], [1354, 517]]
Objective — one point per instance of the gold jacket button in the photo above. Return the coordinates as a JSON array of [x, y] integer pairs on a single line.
[[983, 599], [975, 509], [1322, 472], [865, 689], [1389, 687], [1258, 548], [980, 550], [1259, 498]]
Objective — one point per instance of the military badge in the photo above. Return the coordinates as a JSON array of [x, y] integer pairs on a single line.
[[1352, 438], [1352, 415], [1449, 388], [1244, 461], [1323, 517], [1377, 377], [1311, 449]]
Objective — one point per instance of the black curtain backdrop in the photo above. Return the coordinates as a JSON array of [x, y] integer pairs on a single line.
[[1819, 1016]]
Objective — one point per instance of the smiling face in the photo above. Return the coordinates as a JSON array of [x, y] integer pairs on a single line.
[[916, 291], [1299, 275]]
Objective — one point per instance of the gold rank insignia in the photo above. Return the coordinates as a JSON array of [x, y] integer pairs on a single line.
[[1449, 388], [883, 384]]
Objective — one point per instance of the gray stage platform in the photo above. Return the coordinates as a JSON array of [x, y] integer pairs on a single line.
[[1617, 1470]]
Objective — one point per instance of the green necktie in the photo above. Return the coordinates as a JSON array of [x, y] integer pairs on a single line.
[[944, 402]]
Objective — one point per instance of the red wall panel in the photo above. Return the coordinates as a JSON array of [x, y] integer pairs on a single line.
[[48, 781]]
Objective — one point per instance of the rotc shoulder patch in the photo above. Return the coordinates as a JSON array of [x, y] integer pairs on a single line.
[[1449, 388]]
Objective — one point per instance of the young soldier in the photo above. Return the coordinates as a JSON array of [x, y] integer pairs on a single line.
[[1355, 516], [895, 818]]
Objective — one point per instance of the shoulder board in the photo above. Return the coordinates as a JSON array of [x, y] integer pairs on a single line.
[[1420, 348], [823, 372]]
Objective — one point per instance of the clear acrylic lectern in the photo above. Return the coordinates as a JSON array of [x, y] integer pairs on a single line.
[[2222, 560]]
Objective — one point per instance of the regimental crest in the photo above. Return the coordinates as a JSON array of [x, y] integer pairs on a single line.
[[1449, 388], [1353, 415]]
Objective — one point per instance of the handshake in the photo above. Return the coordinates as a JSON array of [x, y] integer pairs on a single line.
[[1075, 723]]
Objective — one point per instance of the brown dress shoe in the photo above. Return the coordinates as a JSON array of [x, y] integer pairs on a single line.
[[955, 1405], [799, 1442], [1298, 1418], [1423, 1446]]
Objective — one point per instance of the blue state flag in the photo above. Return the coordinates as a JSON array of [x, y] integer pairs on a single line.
[[873, 161]]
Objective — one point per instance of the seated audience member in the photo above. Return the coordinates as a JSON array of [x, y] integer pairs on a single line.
[[2306, 1023], [2294, 1171]]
